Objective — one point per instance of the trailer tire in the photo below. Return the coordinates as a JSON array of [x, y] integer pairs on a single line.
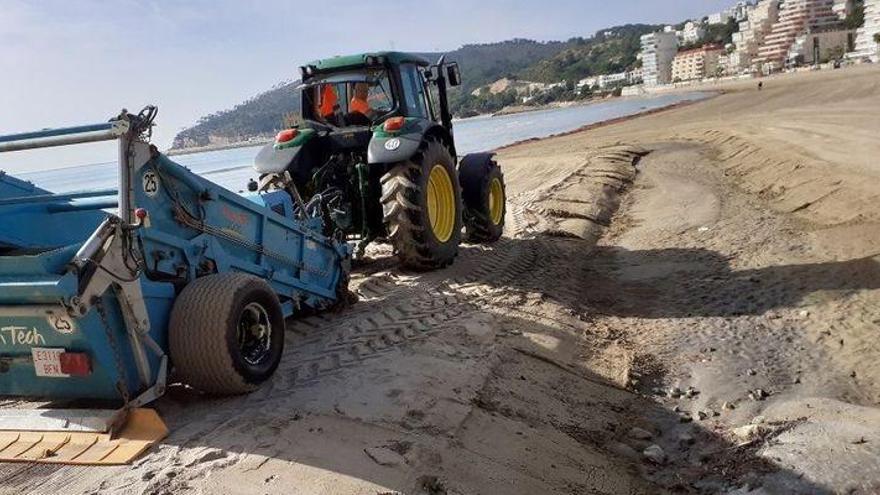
[[485, 199], [421, 206], [218, 333]]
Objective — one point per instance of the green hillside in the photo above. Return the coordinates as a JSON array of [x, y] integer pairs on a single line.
[[609, 51]]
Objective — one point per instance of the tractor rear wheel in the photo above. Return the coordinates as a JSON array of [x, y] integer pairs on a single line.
[[226, 333], [422, 210]]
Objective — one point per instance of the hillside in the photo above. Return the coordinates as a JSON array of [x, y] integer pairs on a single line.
[[260, 115], [481, 64], [609, 51]]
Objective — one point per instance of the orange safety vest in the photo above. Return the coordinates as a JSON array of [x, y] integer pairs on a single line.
[[328, 100], [359, 105]]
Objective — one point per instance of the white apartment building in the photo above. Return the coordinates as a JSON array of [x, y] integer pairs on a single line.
[[796, 17], [761, 17], [741, 10], [658, 51], [718, 18], [865, 44], [696, 64], [605, 80], [692, 33]]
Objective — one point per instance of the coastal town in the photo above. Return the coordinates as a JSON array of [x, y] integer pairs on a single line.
[[770, 36], [751, 39]]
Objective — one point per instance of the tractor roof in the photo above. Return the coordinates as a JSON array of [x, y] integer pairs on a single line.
[[342, 62]]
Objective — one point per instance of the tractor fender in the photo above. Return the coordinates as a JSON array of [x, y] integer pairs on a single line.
[[400, 146], [272, 161], [471, 169], [276, 156]]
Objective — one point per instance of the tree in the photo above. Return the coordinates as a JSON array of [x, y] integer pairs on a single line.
[[856, 18], [836, 53]]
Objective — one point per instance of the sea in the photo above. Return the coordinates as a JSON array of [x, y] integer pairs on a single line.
[[232, 168]]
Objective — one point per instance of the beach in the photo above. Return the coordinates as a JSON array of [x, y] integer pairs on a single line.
[[683, 302]]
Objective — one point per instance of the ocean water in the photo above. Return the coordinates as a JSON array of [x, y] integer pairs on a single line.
[[232, 168]]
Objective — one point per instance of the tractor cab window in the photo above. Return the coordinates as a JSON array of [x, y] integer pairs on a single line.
[[356, 98], [414, 91]]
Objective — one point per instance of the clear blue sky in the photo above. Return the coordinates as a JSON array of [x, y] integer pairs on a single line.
[[68, 62]]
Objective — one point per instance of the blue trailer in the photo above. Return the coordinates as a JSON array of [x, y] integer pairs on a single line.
[[103, 293]]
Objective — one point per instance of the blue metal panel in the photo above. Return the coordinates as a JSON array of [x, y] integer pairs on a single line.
[[11, 187], [60, 219]]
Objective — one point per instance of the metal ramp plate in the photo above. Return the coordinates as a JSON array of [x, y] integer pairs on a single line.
[[84, 439]]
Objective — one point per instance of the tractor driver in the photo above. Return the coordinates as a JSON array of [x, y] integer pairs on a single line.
[[359, 101], [327, 104], [360, 112]]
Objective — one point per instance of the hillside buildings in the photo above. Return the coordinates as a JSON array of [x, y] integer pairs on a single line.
[[865, 45], [696, 64], [658, 52], [796, 18], [605, 81], [738, 12], [760, 18]]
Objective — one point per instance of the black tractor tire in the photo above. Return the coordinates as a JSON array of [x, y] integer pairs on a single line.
[[405, 198], [477, 191], [205, 333]]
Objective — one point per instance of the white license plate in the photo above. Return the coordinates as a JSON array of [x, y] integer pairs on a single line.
[[47, 362]]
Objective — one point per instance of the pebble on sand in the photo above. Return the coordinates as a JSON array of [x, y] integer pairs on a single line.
[[655, 454]]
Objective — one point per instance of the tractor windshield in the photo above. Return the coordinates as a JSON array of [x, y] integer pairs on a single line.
[[355, 98]]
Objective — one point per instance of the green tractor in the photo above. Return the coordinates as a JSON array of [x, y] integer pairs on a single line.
[[374, 154]]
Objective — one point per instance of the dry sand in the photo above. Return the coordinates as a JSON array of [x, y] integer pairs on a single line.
[[683, 302]]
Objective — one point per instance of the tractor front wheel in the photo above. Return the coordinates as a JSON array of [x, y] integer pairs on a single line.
[[485, 200], [422, 210]]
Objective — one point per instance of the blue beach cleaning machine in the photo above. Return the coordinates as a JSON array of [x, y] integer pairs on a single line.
[[103, 292]]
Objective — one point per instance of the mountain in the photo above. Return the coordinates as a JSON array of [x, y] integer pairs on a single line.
[[481, 64]]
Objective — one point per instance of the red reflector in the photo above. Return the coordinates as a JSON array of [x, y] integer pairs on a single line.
[[75, 363], [285, 135], [394, 124], [140, 213]]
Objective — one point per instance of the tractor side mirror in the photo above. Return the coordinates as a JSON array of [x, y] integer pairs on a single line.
[[453, 74]]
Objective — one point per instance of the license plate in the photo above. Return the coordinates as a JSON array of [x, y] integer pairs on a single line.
[[47, 362]]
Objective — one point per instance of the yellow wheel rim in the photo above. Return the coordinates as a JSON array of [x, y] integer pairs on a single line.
[[496, 201], [441, 203]]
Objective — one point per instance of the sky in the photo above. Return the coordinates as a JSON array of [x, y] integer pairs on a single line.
[[68, 62]]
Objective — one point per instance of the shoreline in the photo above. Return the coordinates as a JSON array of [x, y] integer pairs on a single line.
[[587, 127], [205, 149], [609, 122]]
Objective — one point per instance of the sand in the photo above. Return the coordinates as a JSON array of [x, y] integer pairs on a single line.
[[683, 302]]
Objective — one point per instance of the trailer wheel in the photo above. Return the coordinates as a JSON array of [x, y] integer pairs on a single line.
[[485, 200], [226, 333], [421, 205]]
